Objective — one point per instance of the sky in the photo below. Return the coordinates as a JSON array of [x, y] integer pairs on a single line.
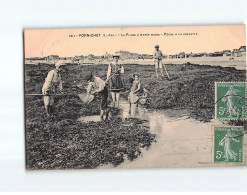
[[171, 39]]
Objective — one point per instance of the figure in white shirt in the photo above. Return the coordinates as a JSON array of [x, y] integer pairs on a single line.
[[52, 82], [158, 60]]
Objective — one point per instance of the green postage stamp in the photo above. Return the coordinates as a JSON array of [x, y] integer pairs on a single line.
[[228, 144], [230, 100]]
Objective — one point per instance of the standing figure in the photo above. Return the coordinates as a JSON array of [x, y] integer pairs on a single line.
[[98, 87], [229, 154], [134, 94], [229, 100], [116, 82], [158, 60], [52, 82]]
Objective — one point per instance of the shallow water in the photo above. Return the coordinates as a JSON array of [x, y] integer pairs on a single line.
[[181, 140]]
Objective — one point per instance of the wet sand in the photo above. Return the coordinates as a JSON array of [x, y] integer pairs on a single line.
[[181, 141]]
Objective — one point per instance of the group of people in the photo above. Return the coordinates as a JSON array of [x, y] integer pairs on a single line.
[[98, 86]]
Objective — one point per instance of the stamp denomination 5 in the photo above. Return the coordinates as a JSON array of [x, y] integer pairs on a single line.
[[230, 98], [228, 144]]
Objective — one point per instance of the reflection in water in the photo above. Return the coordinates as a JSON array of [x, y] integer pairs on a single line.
[[181, 140]]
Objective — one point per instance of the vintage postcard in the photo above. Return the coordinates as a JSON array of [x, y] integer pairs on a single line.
[[135, 97]]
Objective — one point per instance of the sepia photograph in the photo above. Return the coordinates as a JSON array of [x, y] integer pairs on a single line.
[[135, 97]]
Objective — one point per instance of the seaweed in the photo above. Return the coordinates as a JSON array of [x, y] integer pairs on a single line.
[[63, 142]]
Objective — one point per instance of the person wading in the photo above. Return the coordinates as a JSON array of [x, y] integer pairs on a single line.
[[158, 60], [116, 82], [52, 82], [98, 86]]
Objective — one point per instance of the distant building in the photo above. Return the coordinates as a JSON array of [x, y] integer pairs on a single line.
[[210, 54], [36, 58], [227, 53], [97, 57], [65, 58], [147, 56], [188, 55], [242, 50], [239, 52], [217, 54], [181, 55], [203, 54], [165, 56], [235, 52], [53, 57], [173, 56], [124, 55], [90, 57], [140, 56], [108, 56], [77, 58]]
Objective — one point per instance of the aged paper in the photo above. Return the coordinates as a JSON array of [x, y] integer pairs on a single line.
[[135, 97]]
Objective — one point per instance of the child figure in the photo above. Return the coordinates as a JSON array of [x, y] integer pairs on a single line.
[[134, 94]]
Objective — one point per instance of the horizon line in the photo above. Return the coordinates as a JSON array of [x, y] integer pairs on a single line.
[[137, 53]]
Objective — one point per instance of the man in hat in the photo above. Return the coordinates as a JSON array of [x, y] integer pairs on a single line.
[[98, 86], [158, 60], [52, 82]]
